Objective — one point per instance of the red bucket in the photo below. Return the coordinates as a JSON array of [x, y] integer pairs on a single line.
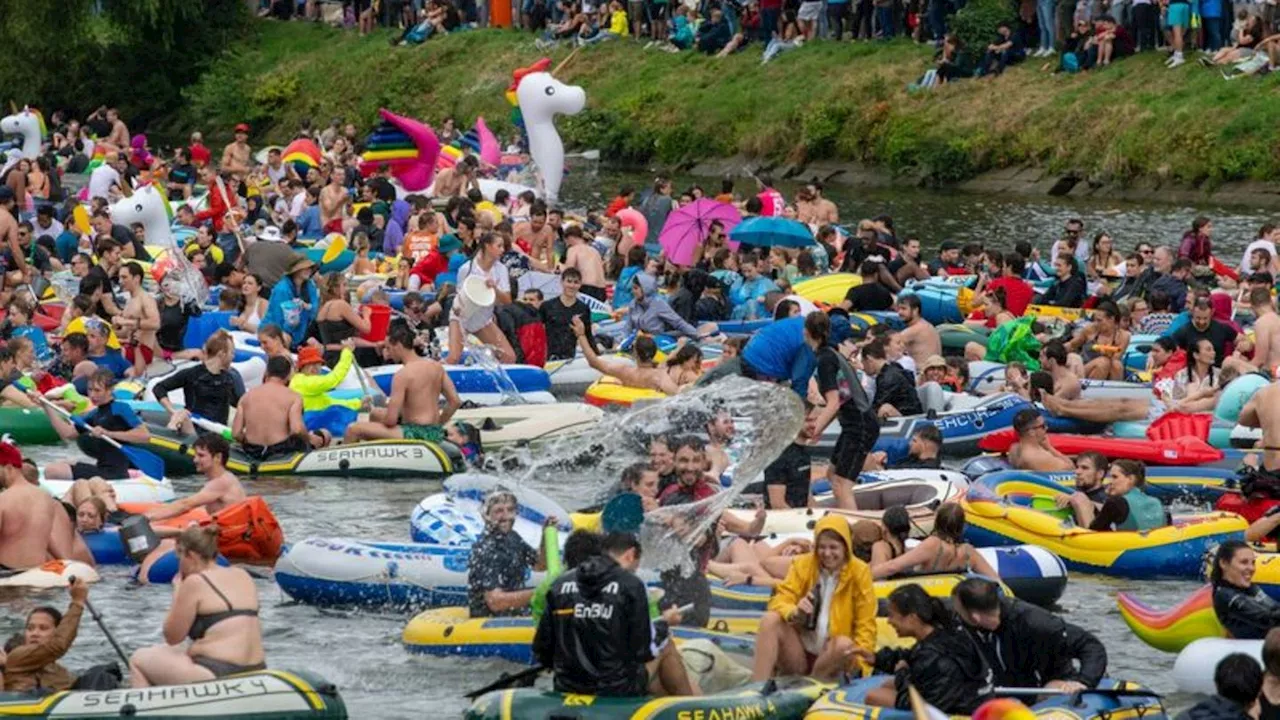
[[379, 321]]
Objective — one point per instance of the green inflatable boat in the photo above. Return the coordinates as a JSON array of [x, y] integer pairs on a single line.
[[27, 426]]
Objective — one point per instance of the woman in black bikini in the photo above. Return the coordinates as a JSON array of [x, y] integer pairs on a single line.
[[897, 525], [944, 551], [337, 321], [217, 608]]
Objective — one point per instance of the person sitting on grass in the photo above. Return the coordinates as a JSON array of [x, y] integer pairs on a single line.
[[1247, 40], [1005, 50]]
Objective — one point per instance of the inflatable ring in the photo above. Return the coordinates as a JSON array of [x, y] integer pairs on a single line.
[[632, 219]]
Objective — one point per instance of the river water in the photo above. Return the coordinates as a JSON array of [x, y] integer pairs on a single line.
[[361, 653]]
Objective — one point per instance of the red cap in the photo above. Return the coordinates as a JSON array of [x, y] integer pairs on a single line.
[[242, 127], [10, 455], [309, 355]]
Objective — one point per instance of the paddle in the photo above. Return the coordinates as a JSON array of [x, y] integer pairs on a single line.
[[1111, 692], [144, 460], [365, 382], [624, 513], [93, 612], [507, 681]]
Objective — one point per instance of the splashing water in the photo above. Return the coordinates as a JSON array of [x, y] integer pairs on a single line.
[[583, 469], [483, 356]]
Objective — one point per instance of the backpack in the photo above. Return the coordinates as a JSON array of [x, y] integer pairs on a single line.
[[1070, 63], [248, 531], [849, 386]]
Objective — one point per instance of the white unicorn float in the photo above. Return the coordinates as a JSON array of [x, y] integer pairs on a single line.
[[147, 205], [541, 97], [29, 125]]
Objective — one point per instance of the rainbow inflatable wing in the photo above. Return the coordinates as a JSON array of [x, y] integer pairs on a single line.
[[304, 155], [409, 147]]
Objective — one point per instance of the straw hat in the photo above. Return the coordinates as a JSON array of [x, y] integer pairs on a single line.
[[300, 262]]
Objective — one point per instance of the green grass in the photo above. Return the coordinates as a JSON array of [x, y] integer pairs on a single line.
[[1135, 120]]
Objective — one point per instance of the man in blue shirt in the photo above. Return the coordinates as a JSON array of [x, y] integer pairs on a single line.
[[109, 418], [784, 351], [97, 333]]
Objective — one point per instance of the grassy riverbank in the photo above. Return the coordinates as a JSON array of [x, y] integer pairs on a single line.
[[1133, 121]]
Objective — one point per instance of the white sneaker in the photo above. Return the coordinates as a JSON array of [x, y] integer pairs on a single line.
[[1042, 52], [1177, 61], [1168, 61], [1050, 52]]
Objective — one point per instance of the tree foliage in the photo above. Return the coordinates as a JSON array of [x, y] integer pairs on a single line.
[[133, 54]]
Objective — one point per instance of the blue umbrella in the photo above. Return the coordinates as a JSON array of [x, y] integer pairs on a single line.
[[772, 232]]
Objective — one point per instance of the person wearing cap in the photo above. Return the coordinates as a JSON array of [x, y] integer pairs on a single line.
[[27, 518], [295, 299], [948, 260], [843, 398], [268, 256], [236, 156], [314, 381], [436, 261]]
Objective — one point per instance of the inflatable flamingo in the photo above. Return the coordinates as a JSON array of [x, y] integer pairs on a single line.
[[541, 97]]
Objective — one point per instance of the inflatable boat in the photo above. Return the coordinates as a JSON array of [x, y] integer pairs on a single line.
[[379, 459], [1188, 483], [138, 488], [784, 699], [610, 392], [998, 512], [941, 302], [1194, 668], [518, 425], [52, 574], [1179, 451], [986, 378], [28, 426], [473, 382], [920, 496], [260, 695], [1118, 699]]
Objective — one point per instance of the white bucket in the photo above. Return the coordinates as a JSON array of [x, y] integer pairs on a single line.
[[475, 294]]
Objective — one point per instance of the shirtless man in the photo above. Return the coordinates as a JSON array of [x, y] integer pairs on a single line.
[[12, 257], [920, 337], [1053, 358], [221, 488], [268, 419], [1033, 451], [236, 155], [1263, 411], [1266, 330], [538, 236], [817, 209], [413, 409], [645, 374], [138, 322], [457, 180], [27, 517], [581, 255], [119, 137], [333, 201]]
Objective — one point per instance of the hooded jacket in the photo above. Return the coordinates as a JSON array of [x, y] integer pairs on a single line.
[[1215, 708], [393, 235], [1248, 613], [853, 604], [596, 634], [652, 314]]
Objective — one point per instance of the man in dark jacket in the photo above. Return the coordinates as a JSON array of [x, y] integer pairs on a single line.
[[895, 392], [714, 34], [596, 634], [1238, 680], [1025, 645], [1087, 650]]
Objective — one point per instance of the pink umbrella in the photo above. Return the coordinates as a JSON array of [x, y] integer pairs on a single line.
[[689, 226]]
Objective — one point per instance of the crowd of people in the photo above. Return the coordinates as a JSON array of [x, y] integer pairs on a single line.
[[1239, 38]]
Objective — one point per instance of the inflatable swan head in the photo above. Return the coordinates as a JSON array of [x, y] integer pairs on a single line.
[[30, 125], [147, 205], [541, 97]]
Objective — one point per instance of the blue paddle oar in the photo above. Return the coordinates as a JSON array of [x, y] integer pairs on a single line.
[[149, 463], [624, 513]]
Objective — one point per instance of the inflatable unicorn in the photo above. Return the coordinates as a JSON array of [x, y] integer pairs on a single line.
[[147, 205], [541, 97], [30, 125], [409, 147]]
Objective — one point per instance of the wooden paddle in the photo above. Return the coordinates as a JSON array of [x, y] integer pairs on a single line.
[[150, 464]]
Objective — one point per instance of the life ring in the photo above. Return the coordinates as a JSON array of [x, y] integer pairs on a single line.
[[633, 219]]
